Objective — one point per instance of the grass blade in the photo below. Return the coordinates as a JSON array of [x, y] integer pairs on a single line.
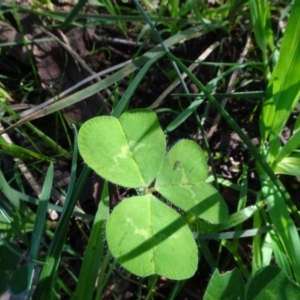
[[94, 251], [39, 223], [260, 16], [285, 227], [45, 287], [74, 12], [9, 192], [284, 87], [134, 84], [291, 145]]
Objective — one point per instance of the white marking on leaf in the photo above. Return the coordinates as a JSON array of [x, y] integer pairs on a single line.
[[136, 146], [124, 153], [184, 178], [142, 232], [129, 220]]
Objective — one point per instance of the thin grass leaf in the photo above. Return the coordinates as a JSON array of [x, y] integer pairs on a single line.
[[45, 287], [57, 208], [244, 188], [241, 215], [242, 199], [267, 250], [282, 96], [233, 220], [74, 12], [212, 262], [162, 43], [260, 16], [289, 166], [237, 95], [91, 19], [178, 286], [174, 84], [5, 219], [234, 234], [22, 153], [64, 286], [152, 280], [39, 225], [181, 118], [52, 144], [105, 277], [10, 194], [285, 228], [231, 185], [280, 255], [114, 10], [234, 9], [134, 84], [241, 264], [291, 145], [284, 87], [257, 258], [94, 253]]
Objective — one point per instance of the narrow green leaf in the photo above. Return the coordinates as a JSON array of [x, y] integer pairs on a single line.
[[9, 192], [289, 166], [134, 84], [267, 251], [22, 153], [45, 287], [279, 254], [241, 216], [57, 208], [74, 12], [285, 228], [297, 123], [260, 16], [284, 87], [184, 115], [39, 223], [242, 266], [291, 145], [94, 251], [234, 234], [234, 9]]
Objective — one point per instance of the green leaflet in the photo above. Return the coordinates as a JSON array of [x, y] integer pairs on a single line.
[[152, 239]]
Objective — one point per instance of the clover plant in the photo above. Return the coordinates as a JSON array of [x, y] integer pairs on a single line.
[[145, 234]]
